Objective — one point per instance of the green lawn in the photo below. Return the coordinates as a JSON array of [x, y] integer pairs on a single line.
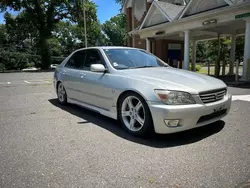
[[205, 71]]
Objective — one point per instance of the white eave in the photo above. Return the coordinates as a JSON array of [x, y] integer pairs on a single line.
[[195, 3], [195, 21]]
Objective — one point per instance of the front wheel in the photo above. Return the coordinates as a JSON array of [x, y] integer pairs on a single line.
[[135, 115], [61, 94]]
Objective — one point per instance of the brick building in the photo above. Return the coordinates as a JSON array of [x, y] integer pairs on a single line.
[[170, 51]]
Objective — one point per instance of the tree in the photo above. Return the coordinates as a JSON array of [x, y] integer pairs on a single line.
[[44, 15], [119, 2], [239, 48], [94, 34], [21, 32], [69, 37], [3, 35], [115, 30]]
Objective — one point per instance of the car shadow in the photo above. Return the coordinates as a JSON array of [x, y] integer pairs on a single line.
[[157, 141]]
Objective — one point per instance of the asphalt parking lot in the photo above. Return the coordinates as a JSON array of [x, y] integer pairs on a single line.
[[44, 144]]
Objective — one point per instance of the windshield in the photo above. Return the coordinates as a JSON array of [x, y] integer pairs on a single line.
[[132, 58]]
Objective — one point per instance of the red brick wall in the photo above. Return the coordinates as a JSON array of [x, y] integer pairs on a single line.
[[139, 43], [129, 24]]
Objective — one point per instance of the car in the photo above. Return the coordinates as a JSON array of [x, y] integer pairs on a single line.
[[30, 69], [53, 66], [140, 90]]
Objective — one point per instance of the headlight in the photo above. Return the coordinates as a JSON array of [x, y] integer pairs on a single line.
[[174, 97]]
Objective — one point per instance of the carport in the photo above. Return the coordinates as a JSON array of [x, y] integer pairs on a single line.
[[199, 20]]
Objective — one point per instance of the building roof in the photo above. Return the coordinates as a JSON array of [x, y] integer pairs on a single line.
[[161, 12], [171, 10]]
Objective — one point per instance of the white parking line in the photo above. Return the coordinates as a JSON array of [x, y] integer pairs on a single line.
[[26, 82], [241, 98], [8, 83]]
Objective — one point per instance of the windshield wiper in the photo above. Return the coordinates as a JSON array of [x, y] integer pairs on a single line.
[[146, 66]]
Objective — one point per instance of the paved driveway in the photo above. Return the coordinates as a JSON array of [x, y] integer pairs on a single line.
[[44, 144]]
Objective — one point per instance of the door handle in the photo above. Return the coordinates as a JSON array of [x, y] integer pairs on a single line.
[[83, 75]]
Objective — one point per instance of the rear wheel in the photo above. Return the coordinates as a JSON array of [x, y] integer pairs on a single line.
[[135, 115], [61, 94]]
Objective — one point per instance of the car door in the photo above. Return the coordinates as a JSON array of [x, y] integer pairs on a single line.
[[71, 74], [96, 85]]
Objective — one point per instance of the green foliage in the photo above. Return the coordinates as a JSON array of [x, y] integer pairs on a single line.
[[39, 16], [38, 29], [94, 35], [115, 30], [197, 68], [119, 2], [18, 61]]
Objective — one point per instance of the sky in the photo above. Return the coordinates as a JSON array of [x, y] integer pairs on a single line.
[[105, 10]]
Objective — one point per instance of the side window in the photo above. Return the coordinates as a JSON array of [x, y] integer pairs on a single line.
[[77, 60], [93, 57]]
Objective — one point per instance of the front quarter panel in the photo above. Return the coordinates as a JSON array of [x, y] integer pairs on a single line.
[[122, 83]]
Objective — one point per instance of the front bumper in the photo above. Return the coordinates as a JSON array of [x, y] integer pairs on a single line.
[[188, 115]]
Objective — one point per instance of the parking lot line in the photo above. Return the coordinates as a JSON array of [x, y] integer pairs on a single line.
[[26, 82], [241, 97], [8, 82]]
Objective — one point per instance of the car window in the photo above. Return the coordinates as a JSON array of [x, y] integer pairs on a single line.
[[132, 58], [77, 60], [93, 57]]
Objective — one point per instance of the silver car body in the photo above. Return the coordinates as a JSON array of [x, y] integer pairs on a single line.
[[100, 92]]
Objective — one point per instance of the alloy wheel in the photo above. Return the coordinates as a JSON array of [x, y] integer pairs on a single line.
[[133, 113], [61, 93]]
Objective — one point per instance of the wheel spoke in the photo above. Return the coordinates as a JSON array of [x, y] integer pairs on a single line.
[[138, 106], [140, 120], [130, 105], [125, 113], [132, 123]]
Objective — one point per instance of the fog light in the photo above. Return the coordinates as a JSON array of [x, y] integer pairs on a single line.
[[172, 123]]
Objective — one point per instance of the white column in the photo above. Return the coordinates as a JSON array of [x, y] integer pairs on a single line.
[[186, 49], [246, 51], [148, 45], [194, 55], [232, 55]]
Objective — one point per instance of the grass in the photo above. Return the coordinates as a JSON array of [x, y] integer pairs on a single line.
[[205, 71]]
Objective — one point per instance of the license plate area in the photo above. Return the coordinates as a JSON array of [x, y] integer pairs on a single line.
[[219, 108], [212, 115]]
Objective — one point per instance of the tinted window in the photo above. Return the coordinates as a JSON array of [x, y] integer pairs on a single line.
[[77, 60], [93, 57]]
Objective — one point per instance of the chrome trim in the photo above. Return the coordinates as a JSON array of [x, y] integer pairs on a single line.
[[213, 96]]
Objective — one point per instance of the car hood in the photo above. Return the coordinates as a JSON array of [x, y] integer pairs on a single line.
[[175, 79]]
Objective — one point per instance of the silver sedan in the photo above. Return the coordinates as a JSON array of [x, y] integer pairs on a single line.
[[140, 90]]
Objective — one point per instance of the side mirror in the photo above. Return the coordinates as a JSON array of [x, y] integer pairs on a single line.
[[97, 68]]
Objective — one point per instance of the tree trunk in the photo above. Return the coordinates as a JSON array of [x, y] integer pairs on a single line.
[[217, 63], [44, 52], [217, 68]]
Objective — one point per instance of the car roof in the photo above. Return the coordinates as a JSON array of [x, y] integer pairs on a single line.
[[107, 47]]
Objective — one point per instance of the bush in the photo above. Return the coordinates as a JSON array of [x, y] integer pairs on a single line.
[[18, 61], [197, 68]]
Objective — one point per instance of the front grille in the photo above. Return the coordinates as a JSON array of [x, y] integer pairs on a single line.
[[212, 116], [213, 96]]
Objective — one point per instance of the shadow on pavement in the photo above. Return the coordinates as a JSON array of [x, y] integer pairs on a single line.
[[157, 141]]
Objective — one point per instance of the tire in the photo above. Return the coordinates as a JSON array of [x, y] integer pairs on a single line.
[[61, 94], [135, 116]]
